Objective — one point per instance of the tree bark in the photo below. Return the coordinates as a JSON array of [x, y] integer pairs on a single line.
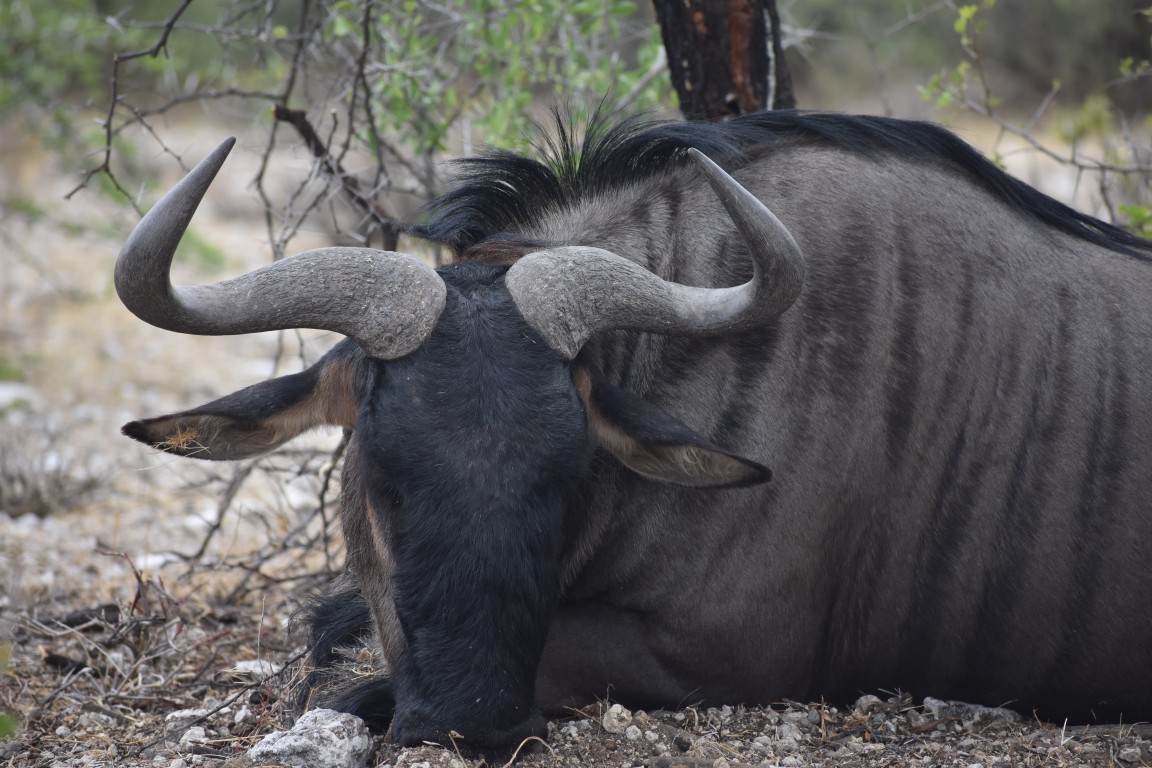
[[725, 56]]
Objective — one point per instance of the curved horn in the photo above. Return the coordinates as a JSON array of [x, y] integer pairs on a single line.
[[568, 294], [387, 302]]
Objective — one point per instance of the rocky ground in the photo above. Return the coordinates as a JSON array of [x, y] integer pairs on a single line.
[[167, 681]]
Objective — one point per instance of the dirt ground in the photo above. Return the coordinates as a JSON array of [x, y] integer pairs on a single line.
[[135, 588], [175, 681]]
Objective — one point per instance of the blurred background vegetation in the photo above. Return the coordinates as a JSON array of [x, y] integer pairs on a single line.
[[878, 48], [410, 80], [490, 57]]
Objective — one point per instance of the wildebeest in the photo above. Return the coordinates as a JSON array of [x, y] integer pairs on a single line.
[[919, 453]]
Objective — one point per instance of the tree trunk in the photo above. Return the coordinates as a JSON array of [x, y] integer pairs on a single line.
[[725, 56]]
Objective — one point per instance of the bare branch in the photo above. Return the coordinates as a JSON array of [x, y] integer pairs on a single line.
[[350, 185], [160, 45]]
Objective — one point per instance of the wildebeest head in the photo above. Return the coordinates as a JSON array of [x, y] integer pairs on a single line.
[[473, 415]]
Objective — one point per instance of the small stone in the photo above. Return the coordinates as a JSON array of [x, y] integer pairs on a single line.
[[320, 738], [632, 733], [194, 735], [868, 704], [1130, 754], [616, 719], [185, 716], [788, 732], [63, 731], [651, 736]]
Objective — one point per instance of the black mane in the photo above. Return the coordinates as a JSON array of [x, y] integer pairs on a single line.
[[501, 192]]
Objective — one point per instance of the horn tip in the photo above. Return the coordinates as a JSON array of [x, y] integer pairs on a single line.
[[705, 162], [697, 155], [217, 156]]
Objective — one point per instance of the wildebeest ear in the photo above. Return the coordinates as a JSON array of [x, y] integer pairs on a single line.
[[654, 443], [259, 418]]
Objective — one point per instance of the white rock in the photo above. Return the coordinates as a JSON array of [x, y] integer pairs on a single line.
[[632, 733], [788, 732], [616, 719], [194, 735], [185, 716], [321, 738]]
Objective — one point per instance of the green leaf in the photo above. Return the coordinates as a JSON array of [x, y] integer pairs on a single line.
[[1137, 218]]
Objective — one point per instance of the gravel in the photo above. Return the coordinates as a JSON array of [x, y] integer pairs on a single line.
[[170, 704]]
